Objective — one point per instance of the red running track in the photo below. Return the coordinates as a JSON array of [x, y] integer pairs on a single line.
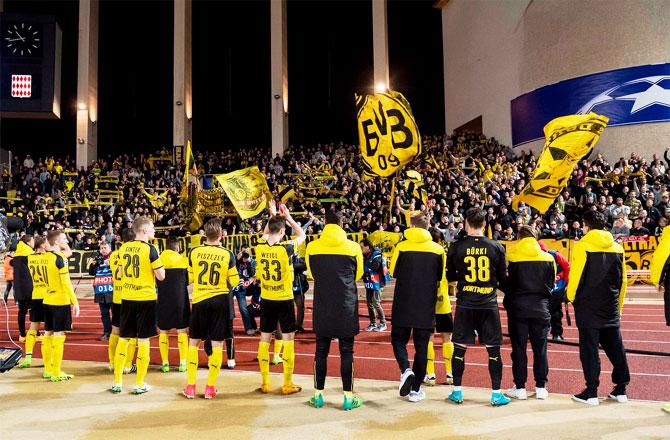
[[643, 327]]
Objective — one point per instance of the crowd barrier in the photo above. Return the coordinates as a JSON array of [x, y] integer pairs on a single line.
[[638, 250]]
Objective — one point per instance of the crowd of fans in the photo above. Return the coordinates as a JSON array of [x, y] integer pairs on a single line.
[[459, 171]]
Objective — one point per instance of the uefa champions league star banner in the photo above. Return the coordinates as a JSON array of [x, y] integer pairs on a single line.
[[388, 135], [569, 139], [634, 95], [247, 189]]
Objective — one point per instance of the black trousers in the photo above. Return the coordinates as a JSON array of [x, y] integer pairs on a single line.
[[24, 306], [299, 299], [520, 330], [556, 312], [105, 317], [421, 337], [346, 362], [610, 340]]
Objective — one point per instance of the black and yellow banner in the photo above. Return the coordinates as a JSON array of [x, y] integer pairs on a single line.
[[388, 135], [569, 139], [247, 189]]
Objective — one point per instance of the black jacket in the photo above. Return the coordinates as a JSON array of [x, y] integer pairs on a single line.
[[335, 263], [531, 274], [23, 283], [597, 285], [418, 265]]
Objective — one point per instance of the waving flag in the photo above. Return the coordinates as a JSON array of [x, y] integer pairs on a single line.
[[569, 140], [247, 189], [388, 135]]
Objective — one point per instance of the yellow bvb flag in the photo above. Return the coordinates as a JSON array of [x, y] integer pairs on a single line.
[[247, 189], [388, 135], [569, 139]]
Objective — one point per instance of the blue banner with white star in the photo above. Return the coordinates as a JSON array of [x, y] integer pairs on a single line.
[[634, 95]]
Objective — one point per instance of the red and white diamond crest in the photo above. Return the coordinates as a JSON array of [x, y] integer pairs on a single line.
[[22, 86]]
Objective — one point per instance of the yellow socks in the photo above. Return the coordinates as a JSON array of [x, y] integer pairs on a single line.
[[430, 366], [182, 344], [164, 347], [47, 351], [111, 348], [120, 359], [191, 364], [58, 344], [278, 345], [215, 361], [289, 362], [264, 361], [31, 336], [130, 352], [447, 353], [142, 362]]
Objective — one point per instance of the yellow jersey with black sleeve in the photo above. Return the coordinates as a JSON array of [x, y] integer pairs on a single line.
[[37, 266], [214, 271], [443, 305], [59, 287], [117, 277], [138, 260], [274, 269]]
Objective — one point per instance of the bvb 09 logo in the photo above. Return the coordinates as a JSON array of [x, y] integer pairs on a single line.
[[389, 137]]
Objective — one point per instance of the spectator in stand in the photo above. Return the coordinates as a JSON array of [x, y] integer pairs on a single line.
[[638, 230], [553, 231], [620, 230], [662, 223], [576, 231]]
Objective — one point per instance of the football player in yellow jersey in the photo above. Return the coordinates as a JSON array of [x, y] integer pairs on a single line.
[[275, 273], [444, 324], [35, 264], [57, 301], [117, 279], [173, 309], [140, 267], [214, 275]]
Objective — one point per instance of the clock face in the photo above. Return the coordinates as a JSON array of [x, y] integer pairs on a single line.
[[22, 39]]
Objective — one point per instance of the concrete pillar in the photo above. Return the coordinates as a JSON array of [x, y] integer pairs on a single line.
[[182, 127], [87, 84], [380, 46], [279, 76]]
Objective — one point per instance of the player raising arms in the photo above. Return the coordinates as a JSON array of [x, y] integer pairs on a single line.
[[214, 275], [275, 273], [140, 266]]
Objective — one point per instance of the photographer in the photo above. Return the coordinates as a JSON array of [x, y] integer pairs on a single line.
[[103, 287], [300, 286], [246, 268]]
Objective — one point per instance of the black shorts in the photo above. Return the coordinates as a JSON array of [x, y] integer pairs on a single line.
[[138, 319], [57, 318], [37, 310], [173, 313], [444, 323], [116, 315], [485, 321], [273, 312], [210, 320]]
